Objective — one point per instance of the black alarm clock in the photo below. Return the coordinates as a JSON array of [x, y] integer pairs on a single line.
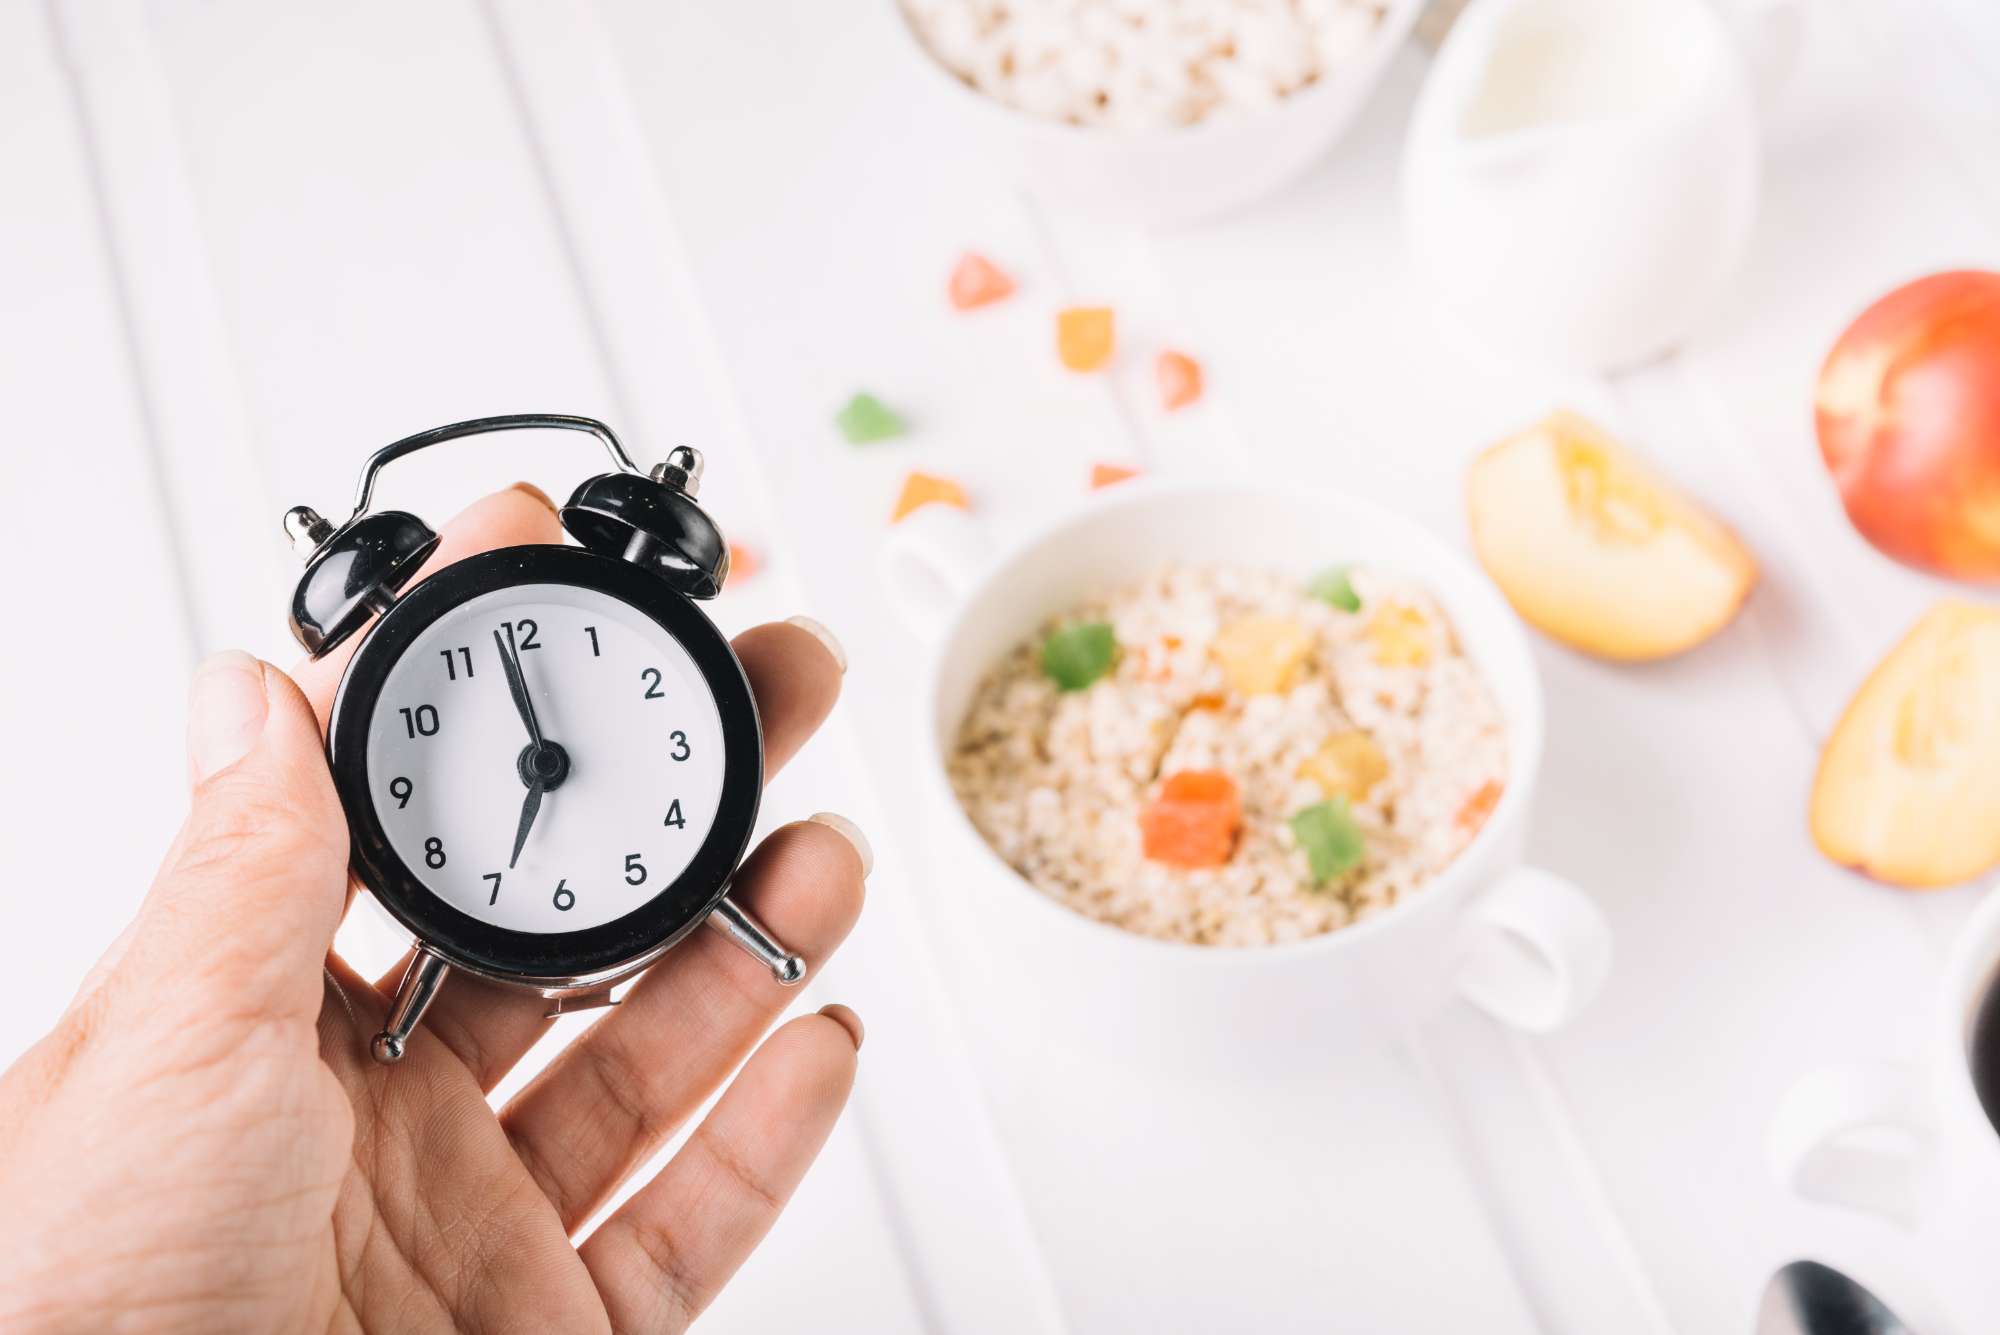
[[549, 757]]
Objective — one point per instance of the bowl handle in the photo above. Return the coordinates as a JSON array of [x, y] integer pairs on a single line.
[[928, 564], [1853, 1135], [1533, 950]]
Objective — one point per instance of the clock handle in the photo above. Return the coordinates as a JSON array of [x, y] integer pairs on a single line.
[[413, 995], [741, 926]]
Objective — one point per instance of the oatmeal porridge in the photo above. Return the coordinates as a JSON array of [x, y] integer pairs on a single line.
[[1232, 757]]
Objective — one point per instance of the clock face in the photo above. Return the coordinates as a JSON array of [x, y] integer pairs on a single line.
[[607, 813]]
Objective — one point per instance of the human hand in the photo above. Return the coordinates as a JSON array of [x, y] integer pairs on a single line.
[[202, 1143]]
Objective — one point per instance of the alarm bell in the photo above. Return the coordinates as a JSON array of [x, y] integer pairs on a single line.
[[652, 520], [355, 571]]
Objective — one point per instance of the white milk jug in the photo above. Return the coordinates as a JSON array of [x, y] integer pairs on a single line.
[[1581, 175]]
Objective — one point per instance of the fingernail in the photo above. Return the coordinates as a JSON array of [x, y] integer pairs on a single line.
[[226, 711], [851, 832], [530, 489], [847, 1020], [823, 635]]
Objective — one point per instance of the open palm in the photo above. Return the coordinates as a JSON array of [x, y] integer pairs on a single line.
[[203, 1143]]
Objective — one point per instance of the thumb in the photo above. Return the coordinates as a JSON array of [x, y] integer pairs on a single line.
[[246, 904]]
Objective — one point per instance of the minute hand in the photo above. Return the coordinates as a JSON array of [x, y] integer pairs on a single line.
[[517, 686]]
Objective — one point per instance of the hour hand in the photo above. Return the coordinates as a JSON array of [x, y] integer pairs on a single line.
[[529, 808]]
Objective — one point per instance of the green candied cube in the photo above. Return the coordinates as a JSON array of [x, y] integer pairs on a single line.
[[866, 418], [1076, 656], [1333, 843], [1336, 587]]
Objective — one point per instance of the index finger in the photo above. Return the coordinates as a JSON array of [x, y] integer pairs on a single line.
[[521, 514]]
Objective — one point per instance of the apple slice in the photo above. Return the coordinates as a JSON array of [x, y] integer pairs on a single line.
[[1908, 789], [1595, 549]]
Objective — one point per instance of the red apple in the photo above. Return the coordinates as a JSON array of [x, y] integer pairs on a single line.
[[1908, 413]]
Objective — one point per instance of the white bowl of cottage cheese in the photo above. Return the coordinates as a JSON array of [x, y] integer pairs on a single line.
[[1154, 111], [1357, 699]]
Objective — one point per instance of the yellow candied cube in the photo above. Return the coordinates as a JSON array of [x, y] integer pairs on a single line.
[[1347, 765], [1261, 654], [1401, 635]]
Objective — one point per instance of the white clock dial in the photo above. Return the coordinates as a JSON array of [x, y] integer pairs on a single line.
[[614, 690]]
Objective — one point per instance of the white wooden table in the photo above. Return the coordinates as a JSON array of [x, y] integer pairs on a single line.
[[241, 244]]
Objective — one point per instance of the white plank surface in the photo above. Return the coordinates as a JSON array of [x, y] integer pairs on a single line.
[[266, 239], [93, 698]]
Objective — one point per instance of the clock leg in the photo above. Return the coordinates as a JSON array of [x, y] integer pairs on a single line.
[[420, 984], [741, 926]]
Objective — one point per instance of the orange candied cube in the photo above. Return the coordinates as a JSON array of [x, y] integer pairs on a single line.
[[743, 564], [1083, 337], [978, 281], [1478, 807], [1193, 822], [1103, 475], [921, 489], [1180, 379]]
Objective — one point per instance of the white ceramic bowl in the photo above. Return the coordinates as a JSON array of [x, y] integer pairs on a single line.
[[1519, 942], [1165, 176]]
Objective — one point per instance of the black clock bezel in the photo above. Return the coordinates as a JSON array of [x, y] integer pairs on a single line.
[[533, 958]]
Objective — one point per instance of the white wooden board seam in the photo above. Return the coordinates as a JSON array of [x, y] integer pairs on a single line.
[[176, 539], [212, 485]]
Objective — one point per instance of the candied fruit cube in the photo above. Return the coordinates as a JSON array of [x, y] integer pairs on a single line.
[[1084, 337], [1261, 654], [743, 564], [1179, 376], [1401, 636], [1476, 808], [1334, 845], [1348, 765], [1078, 655], [1104, 475], [977, 281], [1334, 586], [1193, 822], [865, 418], [921, 489]]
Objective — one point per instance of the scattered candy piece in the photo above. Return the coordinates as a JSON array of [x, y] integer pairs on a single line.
[[1347, 765], [1401, 636], [1083, 337], [1193, 822], [743, 564], [921, 489], [1332, 841], [866, 418], [1104, 475], [1078, 655], [1333, 586], [1260, 654], [1478, 807], [1180, 379], [977, 281]]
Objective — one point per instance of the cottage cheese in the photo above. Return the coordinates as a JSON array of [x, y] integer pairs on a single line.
[[1142, 64], [1055, 780]]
